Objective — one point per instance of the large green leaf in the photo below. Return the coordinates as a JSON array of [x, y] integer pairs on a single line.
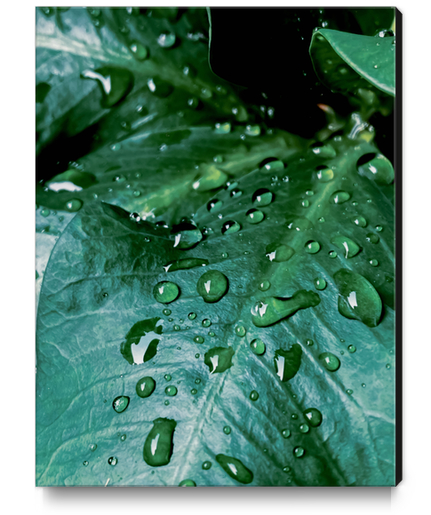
[[346, 62], [97, 313]]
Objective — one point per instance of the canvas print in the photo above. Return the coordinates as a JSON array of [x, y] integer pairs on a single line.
[[216, 198]]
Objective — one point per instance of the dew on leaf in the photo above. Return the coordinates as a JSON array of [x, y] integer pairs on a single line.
[[198, 339], [286, 433], [262, 197], [116, 83], [227, 430], [298, 452], [145, 387], [120, 403], [319, 283], [339, 197], [312, 247], [206, 322], [254, 216], [240, 331], [230, 227], [350, 247], [166, 39], [235, 468], [206, 465], [212, 285], [219, 359], [166, 292], [313, 416], [330, 362], [254, 396], [158, 446], [270, 310], [257, 346], [112, 461], [279, 252], [171, 390], [187, 482]]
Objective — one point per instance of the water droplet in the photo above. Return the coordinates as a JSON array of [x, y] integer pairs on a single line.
[[165, 292], [287, 362], [235, 468], [258, 347], [197, 355], [167, 312], [324, 174], [262, 197], [166, 39], [230, 227], [287, 469], [319, 283], [45, 212], [184, 264], [254, 216], [360, 221], [312, 247], [219, 359], [272, 166], [211, 333], [206, 322], [388, 366], [325, 151], [304, 428], [123, 437], [159, 444], [350, 248], [112, 461], [376, 167], [214, 205], [313, 416], [116, 83], [330, 362], [224, 255], [339, 197], [240, 331], [349, 391], [145, 387], [222, 128], [298, 452], [139, 51], [227, 430], [332, 254], [191, 316], [351, 349], [254, 395], [187, 482], [176, 327], [212, 285], [278, 252], [321, 219], [374, 262], [372, 238], [358, 298], [286, 433], [85, 463], [171, 390], [206, 465], [271, 309], [73, 205], [309, 342], [264, 285], [120, 403], [252, 130], [199, 339]]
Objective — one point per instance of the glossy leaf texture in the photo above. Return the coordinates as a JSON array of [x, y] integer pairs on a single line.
[[346, 62], [227, 410]]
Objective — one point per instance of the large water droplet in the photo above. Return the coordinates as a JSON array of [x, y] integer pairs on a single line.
[[141, 341], [319, 283], [186, 236], [166, 39], [116, 83], [254, 216], [187, 482], [358, 298], [214, 205], [235, 468], [326, 151], [324, 174], [212, 285], [278, 252], [360, 221], [298, 452], [350, 248], [219, 359], [271, 309], [272, 166], [185, 264], [145, 387], [73, 205], [120, 403], [330, 362], [257, 346], [313, 416], [287, 362], [312, 247], [376, 167], [230, 227], [165, 292], [262, 197], [339, 197], [159, 444], [139, 51]]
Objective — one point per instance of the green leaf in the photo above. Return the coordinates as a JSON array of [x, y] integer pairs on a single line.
[[230, 406], [346, 62]]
